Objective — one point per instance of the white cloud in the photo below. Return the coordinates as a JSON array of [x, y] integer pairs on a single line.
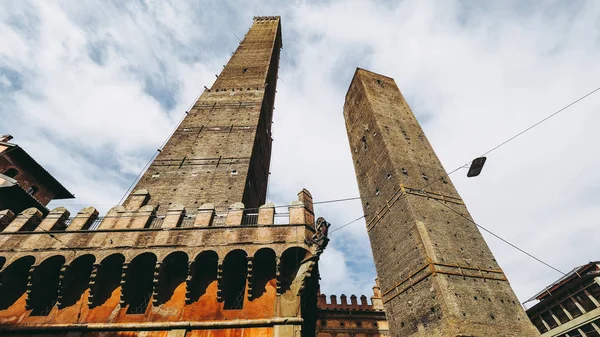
[[104, 84]]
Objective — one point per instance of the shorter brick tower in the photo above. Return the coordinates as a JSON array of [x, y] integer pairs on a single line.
[[438, 276]]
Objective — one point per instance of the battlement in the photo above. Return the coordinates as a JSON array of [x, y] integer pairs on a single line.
[[227, 259], [137, 214], [364, 305], [266, 18]]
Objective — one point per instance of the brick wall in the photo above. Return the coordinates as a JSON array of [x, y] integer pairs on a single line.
[[438, 276]]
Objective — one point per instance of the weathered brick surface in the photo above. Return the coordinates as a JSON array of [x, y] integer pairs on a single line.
[[220, 153], [437, 274]]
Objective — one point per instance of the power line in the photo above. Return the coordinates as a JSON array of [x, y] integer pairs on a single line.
[[158, 150], [466, 165], [500, 238]]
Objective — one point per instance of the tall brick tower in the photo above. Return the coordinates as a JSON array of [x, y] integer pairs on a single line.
[[184, 255], [221, 151], [438, 277]]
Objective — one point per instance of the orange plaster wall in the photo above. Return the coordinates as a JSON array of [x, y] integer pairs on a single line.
[[207, 308]]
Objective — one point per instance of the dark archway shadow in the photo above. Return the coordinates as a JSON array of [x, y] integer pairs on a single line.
[[204, 272], [235, 272], [76, 280], [108, 278], [264, 270], [174, 270], [14, 281], [138, 283], [44, 286]]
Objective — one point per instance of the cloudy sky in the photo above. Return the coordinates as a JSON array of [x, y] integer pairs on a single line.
[[92, 88]]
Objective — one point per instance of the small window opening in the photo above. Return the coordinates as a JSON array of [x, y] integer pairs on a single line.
[[234, 172], [377, 192], [364, 141], [244, 70], [11, 172], [404, 171], [33, 190], [380, 82], [424, 176], [389, 176]]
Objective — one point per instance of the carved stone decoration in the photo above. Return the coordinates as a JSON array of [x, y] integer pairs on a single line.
[[320, 238], [61, 284], [307, 274], [92, 284], [278, 275], [122, 283], [220, 281], [28, 299], [156, 283], [189, 282], [250, 277]]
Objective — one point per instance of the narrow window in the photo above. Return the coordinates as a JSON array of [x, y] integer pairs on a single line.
[[244, 70], [11, 172], [33, 190], [364, 141]]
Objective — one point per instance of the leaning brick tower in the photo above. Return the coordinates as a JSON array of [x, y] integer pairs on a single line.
[[192, 251], [438, 277]]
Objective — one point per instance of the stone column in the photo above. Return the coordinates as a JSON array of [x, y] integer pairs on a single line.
[[111, 217], [137, 199], [205, 215], [84, 219], [28, 219], [235, 214], [266, 214], [6, 216], [143, 216], [55, 220], [173, 217]]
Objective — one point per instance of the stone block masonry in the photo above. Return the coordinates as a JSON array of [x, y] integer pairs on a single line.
[[438, 277]]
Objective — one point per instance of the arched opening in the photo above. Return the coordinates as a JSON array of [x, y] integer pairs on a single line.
[[263, 271], [33, 190], [76, 280], [14, 281], [290, 263], [44, 286], [108, 278], [235, 271], [204, 272], [173, 272], [11, 172], [138, 283]]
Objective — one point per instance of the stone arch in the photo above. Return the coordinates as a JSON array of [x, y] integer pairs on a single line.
[[235, 272], [137, 290], [44, 281], [106, 278], [204, 272], [264, 267], [14, 280], [173, 272], [290, 263], [76, 280]]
